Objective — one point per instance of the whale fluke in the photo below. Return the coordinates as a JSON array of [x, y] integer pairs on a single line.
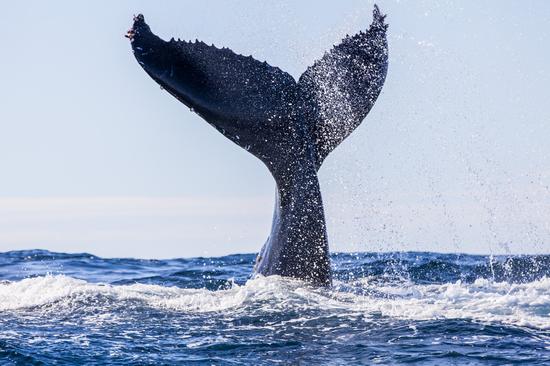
[[339, 90], [290, 125]]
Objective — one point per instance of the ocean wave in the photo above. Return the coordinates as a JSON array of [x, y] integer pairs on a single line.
[[518, 304]]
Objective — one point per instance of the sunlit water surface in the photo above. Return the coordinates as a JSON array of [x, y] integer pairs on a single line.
[[391, 308]]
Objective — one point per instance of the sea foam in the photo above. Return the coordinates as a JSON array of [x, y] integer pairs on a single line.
[[524, 304]]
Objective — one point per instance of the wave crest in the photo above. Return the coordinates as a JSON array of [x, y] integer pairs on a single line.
[[523, 304]]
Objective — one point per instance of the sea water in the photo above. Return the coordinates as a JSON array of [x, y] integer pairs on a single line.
[[388, 308]]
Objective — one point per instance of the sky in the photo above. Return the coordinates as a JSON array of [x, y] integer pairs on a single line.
[[454, 156]]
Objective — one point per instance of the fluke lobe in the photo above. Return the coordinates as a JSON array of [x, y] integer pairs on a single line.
[[289, 125]]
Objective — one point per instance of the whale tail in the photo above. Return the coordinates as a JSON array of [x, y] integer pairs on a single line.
[[250, 101], [339, 90], [290, 125]]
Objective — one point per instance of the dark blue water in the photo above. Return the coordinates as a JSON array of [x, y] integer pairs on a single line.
[[393, 308]]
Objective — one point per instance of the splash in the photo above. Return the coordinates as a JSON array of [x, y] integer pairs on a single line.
[[526, 304]]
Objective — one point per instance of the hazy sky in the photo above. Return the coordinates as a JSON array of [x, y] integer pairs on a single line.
[[95, 157]]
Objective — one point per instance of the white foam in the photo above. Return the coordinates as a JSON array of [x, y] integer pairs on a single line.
[[516, 304]]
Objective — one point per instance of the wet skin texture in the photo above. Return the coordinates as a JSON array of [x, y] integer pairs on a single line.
[[289, 125]]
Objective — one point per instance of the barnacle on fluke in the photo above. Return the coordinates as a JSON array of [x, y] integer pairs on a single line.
[[290, 125]]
